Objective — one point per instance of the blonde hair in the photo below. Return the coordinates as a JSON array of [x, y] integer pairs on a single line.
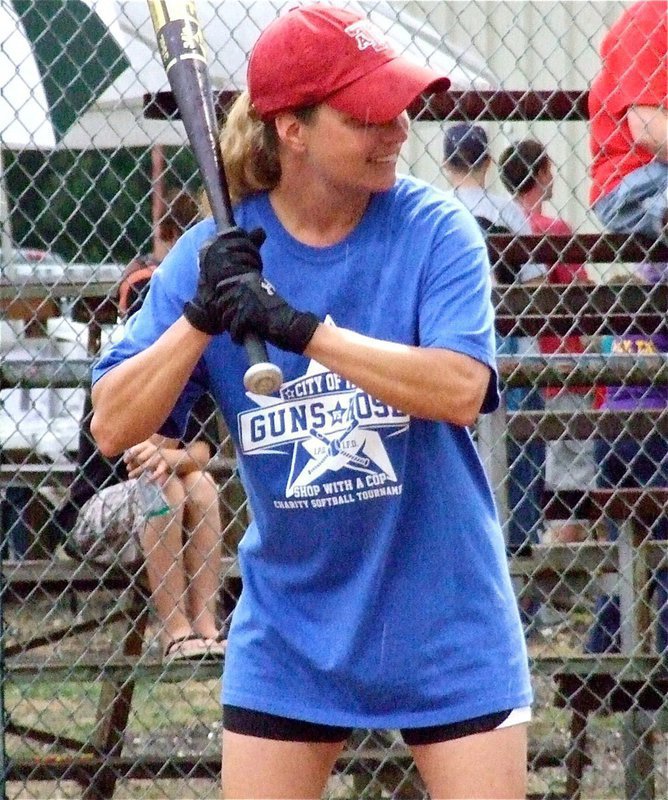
[[250, 151]]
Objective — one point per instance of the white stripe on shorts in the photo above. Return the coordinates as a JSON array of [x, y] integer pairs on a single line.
[[516, 717]]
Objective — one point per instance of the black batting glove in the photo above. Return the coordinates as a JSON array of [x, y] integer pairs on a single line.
[[229, 255], [254, 306]]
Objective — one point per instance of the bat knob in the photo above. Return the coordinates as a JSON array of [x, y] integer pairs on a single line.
[[263, 378]]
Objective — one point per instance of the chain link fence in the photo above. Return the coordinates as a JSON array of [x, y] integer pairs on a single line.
[[90, 707]]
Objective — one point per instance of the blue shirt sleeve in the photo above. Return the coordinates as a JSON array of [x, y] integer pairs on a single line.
[[456, 311], [172, 284]]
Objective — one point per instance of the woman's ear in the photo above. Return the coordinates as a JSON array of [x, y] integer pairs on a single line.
[[290, 131]]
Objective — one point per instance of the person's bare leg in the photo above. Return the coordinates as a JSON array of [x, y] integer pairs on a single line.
[[161, 542], [484, 766], [202, 552], [569, 533], [259, 769]]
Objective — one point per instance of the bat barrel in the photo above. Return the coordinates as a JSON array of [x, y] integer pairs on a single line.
[[188, 75], [181, 46]]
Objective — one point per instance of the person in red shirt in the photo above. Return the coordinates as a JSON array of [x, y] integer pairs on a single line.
[[526, 172], [628, 110]]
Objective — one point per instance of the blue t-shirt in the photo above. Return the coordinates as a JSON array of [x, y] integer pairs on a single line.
[[376, 591]]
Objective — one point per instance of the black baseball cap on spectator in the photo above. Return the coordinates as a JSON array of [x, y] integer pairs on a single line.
[[465, 146]]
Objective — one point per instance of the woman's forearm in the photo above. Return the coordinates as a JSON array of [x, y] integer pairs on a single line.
[[133, 399], [431, 383]]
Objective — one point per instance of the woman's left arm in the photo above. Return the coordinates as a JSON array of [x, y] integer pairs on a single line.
[[447, 372], [428, 382]]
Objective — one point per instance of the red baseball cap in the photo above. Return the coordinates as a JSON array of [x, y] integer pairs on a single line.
[[319, 53]]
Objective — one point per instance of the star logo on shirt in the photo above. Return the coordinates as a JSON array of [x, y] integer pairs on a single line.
[[326, 425], [337, 413]]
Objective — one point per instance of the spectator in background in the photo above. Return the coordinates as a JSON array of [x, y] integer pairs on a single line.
[[104, 514], [628, 133], [526, 172], [181, 210], [466, 162], [628, 107]]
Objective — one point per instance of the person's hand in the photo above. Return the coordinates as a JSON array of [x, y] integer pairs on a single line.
[[230, 255], [251, 304], [146, 457]]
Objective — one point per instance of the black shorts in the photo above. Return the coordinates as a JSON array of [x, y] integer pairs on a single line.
[[270, 726]]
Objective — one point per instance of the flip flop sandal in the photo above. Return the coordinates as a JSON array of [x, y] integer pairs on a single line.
[[216, 647], [186, 647]]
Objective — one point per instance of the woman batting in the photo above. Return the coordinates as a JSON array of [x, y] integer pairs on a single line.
[[375, 587]]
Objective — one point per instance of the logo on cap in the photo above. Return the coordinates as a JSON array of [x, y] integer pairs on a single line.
[[367, 35]]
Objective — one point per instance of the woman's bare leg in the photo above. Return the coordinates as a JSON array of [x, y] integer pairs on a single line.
[[259, 769], [484, 766], [202, 552], [161, 542]]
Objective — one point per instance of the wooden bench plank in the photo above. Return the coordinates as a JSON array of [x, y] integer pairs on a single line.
[[66, 573], [45, 372], [632, 667], [57, 473], [642, 504], [586, 559], [530, 370], [577, 248], [520, 310], [583, 370], [62, 472], [570, 574], [115, 669], [551, 426], [610, 692], [82, 768], [503, 104], [469, 105], [588, 309]]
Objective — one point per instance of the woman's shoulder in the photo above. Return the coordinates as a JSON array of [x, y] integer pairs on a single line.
[[417, 197], [198, 233], [411, 188], [433, 210]]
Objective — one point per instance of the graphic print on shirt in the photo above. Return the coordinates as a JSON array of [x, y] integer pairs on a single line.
[[334, 434]]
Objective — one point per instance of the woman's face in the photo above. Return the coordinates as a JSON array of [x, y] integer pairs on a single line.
[[354, 154]]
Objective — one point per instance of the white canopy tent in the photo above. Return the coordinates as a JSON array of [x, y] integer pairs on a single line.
[[230, 30], [116, 118]]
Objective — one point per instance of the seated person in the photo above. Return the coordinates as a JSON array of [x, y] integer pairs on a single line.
[[628, 106], [466, 162], [628, 131], [180, 549], [628, 462], [526, 172]]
